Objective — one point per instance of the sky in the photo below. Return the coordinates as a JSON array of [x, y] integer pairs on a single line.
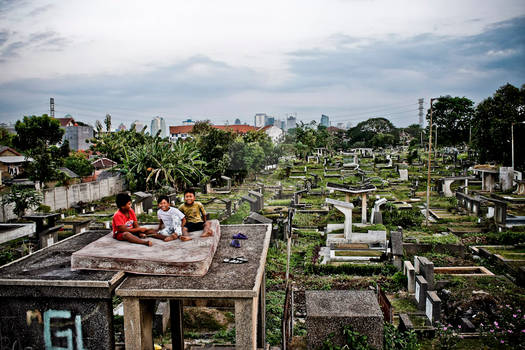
[[222, 60]]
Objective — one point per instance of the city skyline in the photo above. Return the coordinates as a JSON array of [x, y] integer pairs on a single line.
[[351, 60]]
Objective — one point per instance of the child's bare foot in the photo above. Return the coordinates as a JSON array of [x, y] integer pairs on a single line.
[[142, 235], [185, 238], [171, 238], [148, 243], [208, 233]]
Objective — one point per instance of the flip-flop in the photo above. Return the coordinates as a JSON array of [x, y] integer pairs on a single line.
[[238, 260], [235, 243], [239, 236]]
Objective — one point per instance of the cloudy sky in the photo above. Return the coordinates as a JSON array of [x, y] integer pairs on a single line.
[[221, 60]]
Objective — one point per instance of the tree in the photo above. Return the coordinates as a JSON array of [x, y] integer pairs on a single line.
[[491, 126], [37, 132], [453, 117], [6, 138], [79, 164], [36, 137], [364, 132], [107, 122], [22, 198]]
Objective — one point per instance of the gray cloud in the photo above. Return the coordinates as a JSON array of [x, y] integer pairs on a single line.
[[473, 66], [46, 41]]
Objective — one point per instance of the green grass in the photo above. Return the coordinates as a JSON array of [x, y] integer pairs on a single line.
[[242, 212]]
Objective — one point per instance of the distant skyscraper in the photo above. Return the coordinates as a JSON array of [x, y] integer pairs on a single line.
[[325, 120], [341, 125], [121, 127], [188, 121], [283, 125], [158, 123], [291, 122], [260, 120], [269, 121], [138, 125], [237, 121]]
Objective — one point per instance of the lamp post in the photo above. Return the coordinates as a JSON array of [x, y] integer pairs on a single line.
[[429, 157], [512, 133]]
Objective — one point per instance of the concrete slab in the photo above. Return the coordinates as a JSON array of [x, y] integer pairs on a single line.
[[175, 258]]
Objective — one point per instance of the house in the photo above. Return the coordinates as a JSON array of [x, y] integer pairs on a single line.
[[66, 121], [103, 163], [184, 131], [275, 133], [11, 162]]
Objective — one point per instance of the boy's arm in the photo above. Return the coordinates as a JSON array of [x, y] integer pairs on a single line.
[[203, 212], [183, 222], [161, 224]]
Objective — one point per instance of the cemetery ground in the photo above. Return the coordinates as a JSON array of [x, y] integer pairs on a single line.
[[468, 259]]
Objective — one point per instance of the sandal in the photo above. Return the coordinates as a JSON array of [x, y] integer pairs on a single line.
[[237, 260], [239, 236], [235, 243]]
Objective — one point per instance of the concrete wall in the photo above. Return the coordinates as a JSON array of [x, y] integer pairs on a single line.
[[65, 197]]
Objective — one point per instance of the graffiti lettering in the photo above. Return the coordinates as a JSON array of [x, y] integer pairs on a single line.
[[67, 333]]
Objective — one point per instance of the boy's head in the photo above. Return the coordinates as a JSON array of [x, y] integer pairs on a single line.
[[189, 196], [122, 200], [164, 203]]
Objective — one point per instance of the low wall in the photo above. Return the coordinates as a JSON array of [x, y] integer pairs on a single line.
[[64, 197]]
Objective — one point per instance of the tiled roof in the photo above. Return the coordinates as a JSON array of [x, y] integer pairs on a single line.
[[186, 129], [7, 148], [65, 121]]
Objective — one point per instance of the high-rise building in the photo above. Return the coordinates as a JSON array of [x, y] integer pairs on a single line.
[[341, 125], [325, 120], [138, 125], [291, 122], [269, 121], [260, 120], [158, 124], [237, 121]]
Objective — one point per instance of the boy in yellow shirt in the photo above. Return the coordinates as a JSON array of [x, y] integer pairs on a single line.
[[195, 216]]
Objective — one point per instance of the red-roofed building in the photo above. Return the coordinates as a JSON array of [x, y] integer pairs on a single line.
[[66, 121], [184, 131]]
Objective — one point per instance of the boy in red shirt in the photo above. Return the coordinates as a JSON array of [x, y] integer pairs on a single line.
[[125, 224]]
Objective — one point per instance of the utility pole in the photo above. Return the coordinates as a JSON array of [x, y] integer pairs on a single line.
[[429, 157]]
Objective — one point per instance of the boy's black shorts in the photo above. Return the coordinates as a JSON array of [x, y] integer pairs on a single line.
[[194, 226]]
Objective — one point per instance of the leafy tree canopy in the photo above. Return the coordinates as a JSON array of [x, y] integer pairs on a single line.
[[34, 131], [453, 117]]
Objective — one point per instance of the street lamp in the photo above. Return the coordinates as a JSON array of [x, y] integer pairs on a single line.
[[512, 132]]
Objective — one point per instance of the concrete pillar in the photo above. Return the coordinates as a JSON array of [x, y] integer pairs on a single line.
[[347, 197], [245, 324], [466, 186], [138, 323], [177, 324], [261, 315], [363, 208]]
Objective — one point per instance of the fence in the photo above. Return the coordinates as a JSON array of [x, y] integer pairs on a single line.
[[64, 197]]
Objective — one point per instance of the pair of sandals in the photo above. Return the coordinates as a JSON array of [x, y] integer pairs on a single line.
[[235, 241], [237, 260]]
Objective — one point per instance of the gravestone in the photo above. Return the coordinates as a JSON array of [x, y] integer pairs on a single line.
[[260, 199], [426, 269], [403, 174], [143, 202], [410, 272], [375, 216], [506, 178], [329, 311], [396, 246], [433, 307], [254, 203], [421, 292], [256, 218]]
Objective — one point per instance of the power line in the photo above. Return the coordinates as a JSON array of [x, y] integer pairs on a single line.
[[371, 111]]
